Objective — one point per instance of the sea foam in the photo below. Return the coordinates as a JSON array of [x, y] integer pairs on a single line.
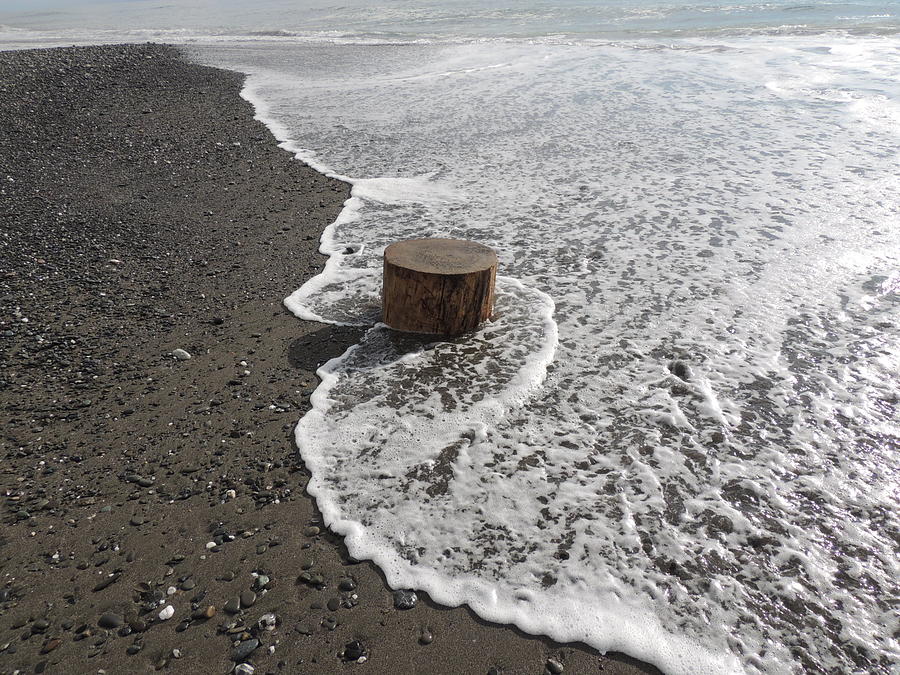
[[676, 438]]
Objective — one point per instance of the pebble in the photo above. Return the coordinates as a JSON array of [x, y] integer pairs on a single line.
[[267, 621], [166, 613], [51, 645], [680, 370], [426, 637], [248, 598], [207, 613], [554, 666], [137, 625], [333, 605], [311, 531], [244, 649], [110, 620], [233, 606], [188, 584], [347, 585], [405, 599], [180, 354], [105, 583], [243, 669], [354, 650]]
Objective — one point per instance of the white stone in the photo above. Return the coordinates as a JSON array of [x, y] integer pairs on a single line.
[[166, 613], [268, 621], [180, 354]]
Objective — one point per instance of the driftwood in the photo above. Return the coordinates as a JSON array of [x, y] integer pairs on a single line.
[[438, 286]]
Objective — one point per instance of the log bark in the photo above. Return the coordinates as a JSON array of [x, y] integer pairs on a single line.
[[438, 286]]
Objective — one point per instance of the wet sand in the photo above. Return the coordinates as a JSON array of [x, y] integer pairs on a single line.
[[144, 211]]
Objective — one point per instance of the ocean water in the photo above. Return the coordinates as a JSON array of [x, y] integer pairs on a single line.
[[678, 437]]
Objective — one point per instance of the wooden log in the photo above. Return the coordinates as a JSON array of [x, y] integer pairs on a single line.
[[438, 286]]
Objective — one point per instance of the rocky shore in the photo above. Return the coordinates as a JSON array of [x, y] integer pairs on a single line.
[[154, 515]]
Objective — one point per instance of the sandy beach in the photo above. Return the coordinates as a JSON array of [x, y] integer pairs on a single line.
[[154, 514]]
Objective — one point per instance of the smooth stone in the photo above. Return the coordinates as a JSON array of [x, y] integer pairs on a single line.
[[207, 613], [243, 669], [244, 649], [405, 599], [166, 613], [347, 585], [426, 637], [110, 620], [248, 598], [311, 531], [354, 650], [138, 625], [555, 666], [51, 645], [333, 605], [188, 584], [180, 354], [268, 621], [233, 606]]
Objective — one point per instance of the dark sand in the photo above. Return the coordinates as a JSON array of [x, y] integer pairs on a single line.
[[142, 209]]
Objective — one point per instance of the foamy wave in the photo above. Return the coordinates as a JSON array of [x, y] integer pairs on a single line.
[[699, 455]]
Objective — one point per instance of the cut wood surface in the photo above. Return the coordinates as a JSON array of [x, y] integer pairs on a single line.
[[438, 286]]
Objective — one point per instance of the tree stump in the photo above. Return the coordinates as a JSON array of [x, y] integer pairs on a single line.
[[438, 286]]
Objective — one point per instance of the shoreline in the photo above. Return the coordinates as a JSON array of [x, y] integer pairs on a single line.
[[145, 210]]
